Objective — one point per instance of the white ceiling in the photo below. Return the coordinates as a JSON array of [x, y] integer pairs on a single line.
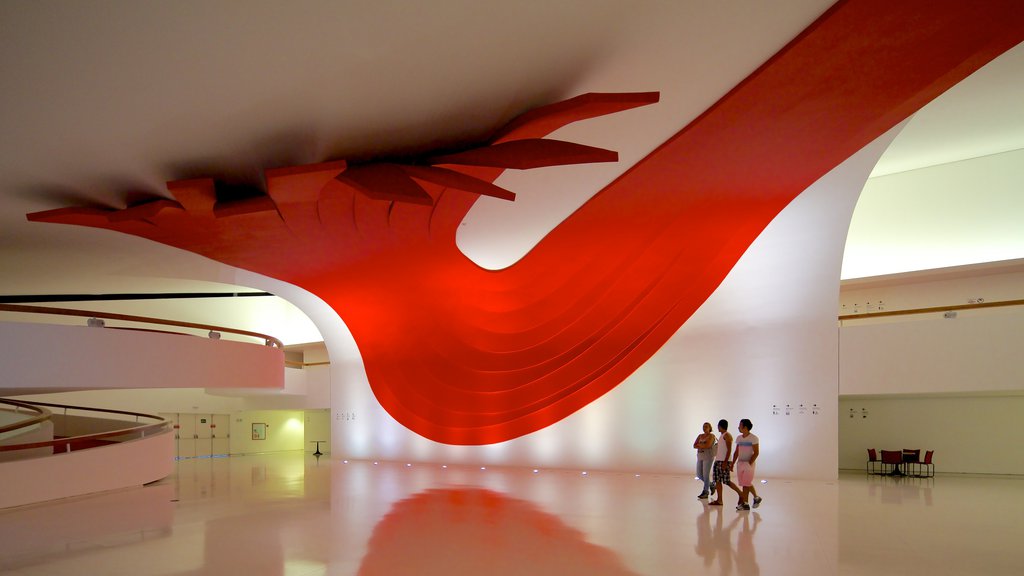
[[105, 101], [949, 191]]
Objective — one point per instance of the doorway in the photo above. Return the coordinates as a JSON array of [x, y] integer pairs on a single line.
[[200, 435]]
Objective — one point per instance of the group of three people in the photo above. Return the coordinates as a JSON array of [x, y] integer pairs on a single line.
[[714, 467]]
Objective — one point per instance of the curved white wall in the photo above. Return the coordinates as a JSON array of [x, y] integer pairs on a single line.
[[38, 357], [121, 465]]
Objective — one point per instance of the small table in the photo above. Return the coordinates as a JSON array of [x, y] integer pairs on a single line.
[[317, 442]]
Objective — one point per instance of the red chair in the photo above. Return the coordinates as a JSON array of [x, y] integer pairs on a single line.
[[923, 469], [891, 460], [871, 467]]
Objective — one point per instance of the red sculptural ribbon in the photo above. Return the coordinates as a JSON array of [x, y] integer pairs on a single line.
[[464, 355]]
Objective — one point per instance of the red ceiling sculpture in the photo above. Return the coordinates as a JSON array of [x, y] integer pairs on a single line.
[[464, 355]]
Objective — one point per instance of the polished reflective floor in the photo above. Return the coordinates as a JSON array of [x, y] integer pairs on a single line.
[[291, 514]]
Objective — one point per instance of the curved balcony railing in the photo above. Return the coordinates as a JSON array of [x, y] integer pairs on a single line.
[[134, 430], [214, 331], [41, 415]]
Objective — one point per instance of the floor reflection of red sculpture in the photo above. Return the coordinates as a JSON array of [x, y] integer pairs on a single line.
[[463, 355], [475, 531]]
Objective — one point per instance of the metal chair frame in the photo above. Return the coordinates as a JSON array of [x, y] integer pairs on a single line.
[[923, 469]]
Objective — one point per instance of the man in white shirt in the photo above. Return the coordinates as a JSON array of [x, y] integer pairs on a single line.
[[747, 450], [722, 465]]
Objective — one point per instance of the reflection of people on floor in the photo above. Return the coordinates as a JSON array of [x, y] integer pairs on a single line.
[[716, 543], [723, 543], [705, 547], [746, 560]]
